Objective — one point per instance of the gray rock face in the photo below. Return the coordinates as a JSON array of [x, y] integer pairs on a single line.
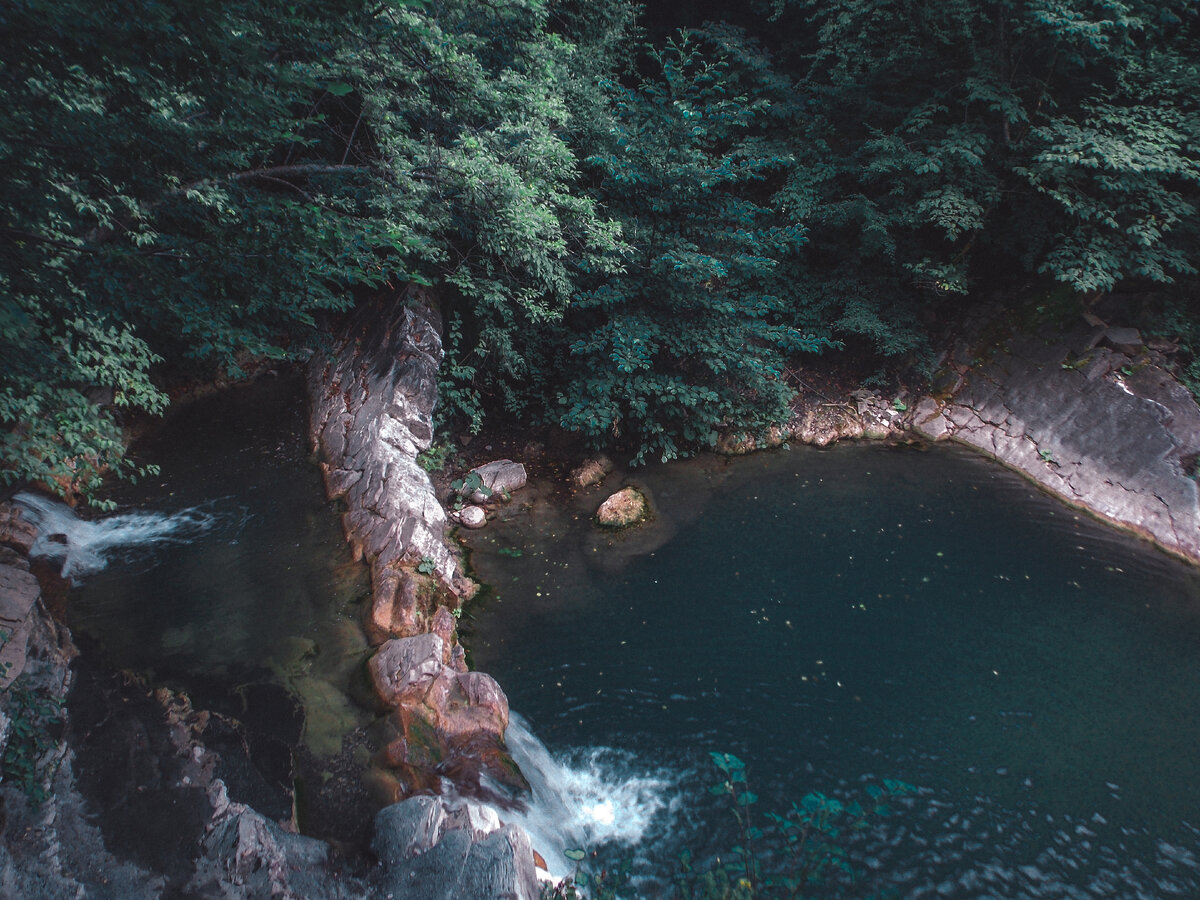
[[500, 477], [371, 408], [440, 851], [1123, 446], [246, 856], [403, 669]]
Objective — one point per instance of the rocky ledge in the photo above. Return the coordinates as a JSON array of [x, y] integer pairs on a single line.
[[1093, 417], [372, 402]]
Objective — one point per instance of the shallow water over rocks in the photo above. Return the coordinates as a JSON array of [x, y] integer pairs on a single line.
[[232, 581]]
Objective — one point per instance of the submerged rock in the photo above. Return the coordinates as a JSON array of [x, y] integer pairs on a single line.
[[591, 472], [626, 507]]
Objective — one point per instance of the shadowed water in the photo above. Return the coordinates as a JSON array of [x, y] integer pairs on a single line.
[[228, 568], [839, 617]]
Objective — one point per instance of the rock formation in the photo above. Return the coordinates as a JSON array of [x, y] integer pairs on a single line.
[[623, 509], [372, 405], [1105, 428], [372, 402]]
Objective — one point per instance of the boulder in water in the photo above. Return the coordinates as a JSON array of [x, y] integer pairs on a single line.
[[591, 472], [626, 507]]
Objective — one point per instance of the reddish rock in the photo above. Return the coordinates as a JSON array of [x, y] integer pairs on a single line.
[[16, 531], [395, 603]]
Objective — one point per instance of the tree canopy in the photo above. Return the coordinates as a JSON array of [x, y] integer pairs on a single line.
[[630, 238]]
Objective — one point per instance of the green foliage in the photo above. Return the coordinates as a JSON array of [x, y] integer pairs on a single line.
[[186, 181], [688, 336], [433, 458], [35, 722], [956, 145], [469, 484], [627, 241]]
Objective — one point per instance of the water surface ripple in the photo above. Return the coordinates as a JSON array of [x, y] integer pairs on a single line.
[[839, 617]]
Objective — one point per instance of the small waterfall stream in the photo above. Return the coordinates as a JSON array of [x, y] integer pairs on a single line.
[[599, 797], [85, 546]]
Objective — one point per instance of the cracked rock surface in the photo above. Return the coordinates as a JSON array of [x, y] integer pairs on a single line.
[[372, 402], [1107, 430]]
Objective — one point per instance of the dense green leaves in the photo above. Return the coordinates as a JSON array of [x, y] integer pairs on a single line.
[[689, 336], [629, 241], [203, 181]]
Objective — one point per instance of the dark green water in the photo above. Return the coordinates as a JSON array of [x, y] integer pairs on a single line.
[[838, 617], [264, 591]]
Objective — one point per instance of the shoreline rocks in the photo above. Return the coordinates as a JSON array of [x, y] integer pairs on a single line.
[[1106, 430], [372, 406]]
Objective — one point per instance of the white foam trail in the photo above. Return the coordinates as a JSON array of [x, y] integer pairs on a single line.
[[596, 798], [83, 546]]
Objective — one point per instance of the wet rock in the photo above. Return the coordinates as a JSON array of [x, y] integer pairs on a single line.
[[372, 402], [403, 669], [1122, 446], [626, 507], [16, 531], [591, 472], [434, 849], [448, 722], [500, 478], [472, 516]]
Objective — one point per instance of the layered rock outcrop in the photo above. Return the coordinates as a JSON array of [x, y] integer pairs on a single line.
[[1093, 417], [439, 851], [372, 403]]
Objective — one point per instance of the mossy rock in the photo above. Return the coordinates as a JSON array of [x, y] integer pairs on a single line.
[[624, 509]]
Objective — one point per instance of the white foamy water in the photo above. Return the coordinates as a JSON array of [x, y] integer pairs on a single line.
[[84, 546], [591, 799]]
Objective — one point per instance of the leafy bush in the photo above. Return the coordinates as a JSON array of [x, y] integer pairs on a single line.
[[36, 718]]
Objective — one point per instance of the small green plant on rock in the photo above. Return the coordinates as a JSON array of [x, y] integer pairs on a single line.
[[36, 718], [464, 487], [433, 458]]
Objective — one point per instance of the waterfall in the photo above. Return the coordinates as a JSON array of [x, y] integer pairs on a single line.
[[590, 799], [84, 546]]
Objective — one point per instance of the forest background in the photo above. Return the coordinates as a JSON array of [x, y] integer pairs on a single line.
[[634, 220]]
